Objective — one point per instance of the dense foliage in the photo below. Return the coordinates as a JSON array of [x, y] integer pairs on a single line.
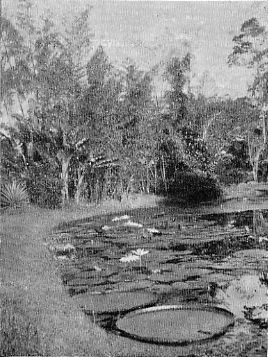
[[89, 131]]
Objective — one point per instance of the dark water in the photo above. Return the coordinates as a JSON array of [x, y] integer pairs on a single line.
[[213, 259]]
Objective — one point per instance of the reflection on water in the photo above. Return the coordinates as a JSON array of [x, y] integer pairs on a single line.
[[257, 220]]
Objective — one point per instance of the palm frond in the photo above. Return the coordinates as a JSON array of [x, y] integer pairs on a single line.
[[14, 195]]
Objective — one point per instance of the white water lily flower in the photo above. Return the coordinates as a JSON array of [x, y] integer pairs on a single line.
[[97, 268], [106, 228], [263, 239], [65, 257], [69, 246], [247, 229], [122, 218], [156, 271], [63, 248], [129, 258], [153, 231], [140, 252], [133, 224]]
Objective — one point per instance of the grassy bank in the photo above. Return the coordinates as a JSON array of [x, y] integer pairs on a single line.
[[37, 315], [38, 318]]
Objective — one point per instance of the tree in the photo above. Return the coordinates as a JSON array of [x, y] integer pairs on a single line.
[[55, 68], [137, 129], [98, 106], [15, 76], [176, 97], [251, 50], [186, 145]]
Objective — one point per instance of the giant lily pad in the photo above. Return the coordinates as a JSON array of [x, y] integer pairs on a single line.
[[175, 325], [88, 281], [178, 275], [114, 302], [216, 278], [93, 274], [252, 253], [78, 289], [165, 278]]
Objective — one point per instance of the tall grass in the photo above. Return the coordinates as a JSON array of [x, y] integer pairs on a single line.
[[19, 335]]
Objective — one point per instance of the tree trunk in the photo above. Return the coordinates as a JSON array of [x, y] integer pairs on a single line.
[[65, 159], [207, 125], [255, 168], [264, 151], [142, 190], [254, 155], [258, 149], [65, 181], [129, 186], [80, 181], [155, 178], [147, 180], [164, 174]]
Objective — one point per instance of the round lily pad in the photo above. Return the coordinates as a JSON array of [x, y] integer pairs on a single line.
[[217, 278], [165, 278], [178, 275], [161, 288], [255, 253], [114, 302], [179, 285], [86, 281], [78, 289], [135, 285], [175, 325], [93, 274]]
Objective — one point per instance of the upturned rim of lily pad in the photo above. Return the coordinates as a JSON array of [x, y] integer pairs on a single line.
[[178, 342]]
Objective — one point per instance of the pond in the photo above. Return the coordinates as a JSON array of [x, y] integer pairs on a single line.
[[166, 256]]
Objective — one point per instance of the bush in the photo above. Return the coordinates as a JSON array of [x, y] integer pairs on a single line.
[[234, 176], [44, 186], [233, 165], [228, 173], [14, 195], [11, 163], [194, 187]]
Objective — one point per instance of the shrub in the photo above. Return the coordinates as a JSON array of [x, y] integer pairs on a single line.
[[233, 165], [11, 163], [14, 195], [234, 176], [44, 186], [228, 173], [194, 187]]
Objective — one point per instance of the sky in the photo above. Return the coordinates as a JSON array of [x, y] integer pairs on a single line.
[[150, 32]]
